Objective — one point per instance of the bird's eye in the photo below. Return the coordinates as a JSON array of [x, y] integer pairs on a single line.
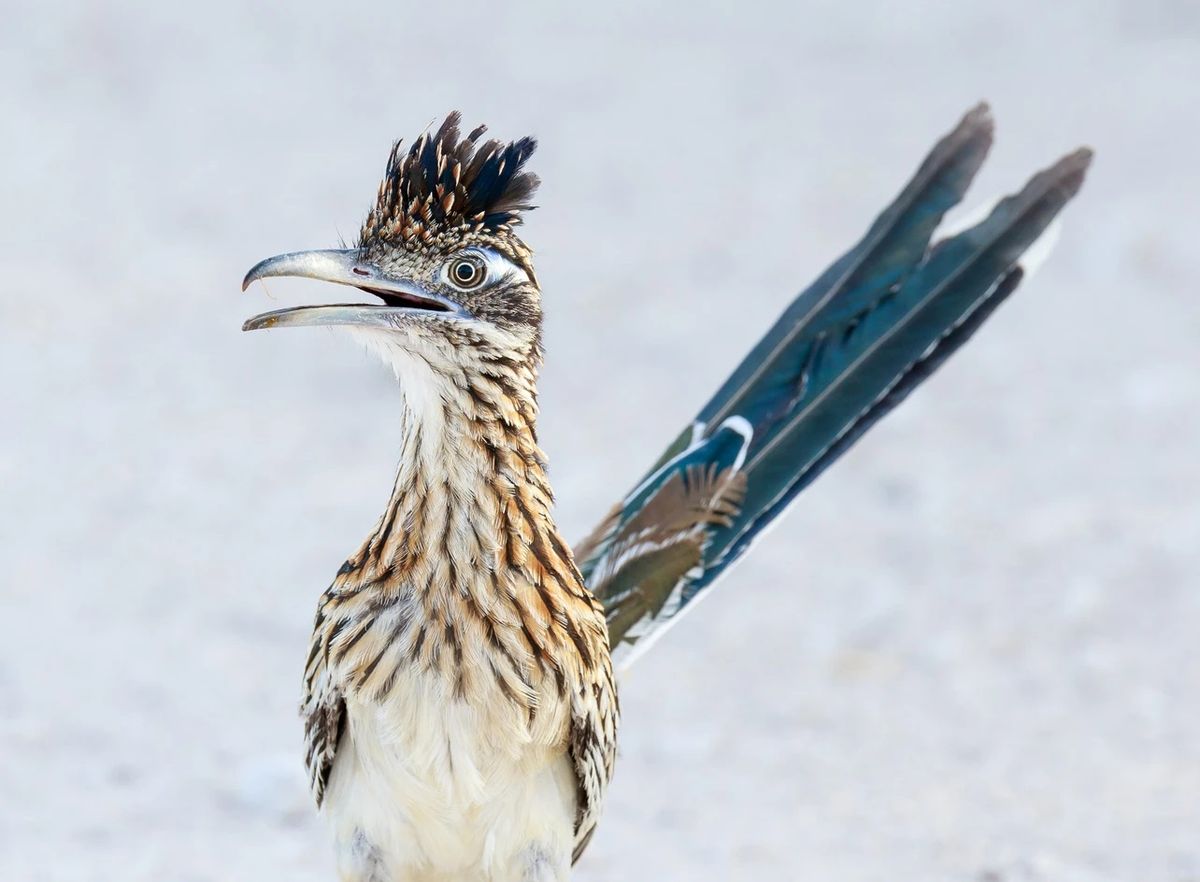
[[466, 272]]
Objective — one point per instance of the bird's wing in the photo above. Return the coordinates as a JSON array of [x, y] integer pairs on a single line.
[[853, 345], [639, 561], [323, 709], [592, 748]]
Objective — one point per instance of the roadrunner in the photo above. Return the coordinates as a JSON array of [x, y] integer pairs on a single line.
[[459, 702]]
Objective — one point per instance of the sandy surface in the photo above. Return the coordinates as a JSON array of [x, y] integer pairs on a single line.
[[969, 652]]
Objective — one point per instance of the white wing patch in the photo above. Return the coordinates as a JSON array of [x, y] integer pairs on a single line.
[[1035, 255]]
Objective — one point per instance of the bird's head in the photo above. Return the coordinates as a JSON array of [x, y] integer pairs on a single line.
[[454, 284]]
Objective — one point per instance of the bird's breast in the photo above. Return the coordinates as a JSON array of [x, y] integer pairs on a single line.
[[425, 778]]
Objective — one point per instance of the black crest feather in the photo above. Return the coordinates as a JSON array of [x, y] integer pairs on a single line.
[[444, 182]]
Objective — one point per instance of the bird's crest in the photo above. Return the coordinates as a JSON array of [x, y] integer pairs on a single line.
[[445, 183]]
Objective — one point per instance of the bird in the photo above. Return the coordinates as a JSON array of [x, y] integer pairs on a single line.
[[460, 703]]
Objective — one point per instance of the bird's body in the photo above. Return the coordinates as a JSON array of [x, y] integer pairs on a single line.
[[459, 650], [460, 707]]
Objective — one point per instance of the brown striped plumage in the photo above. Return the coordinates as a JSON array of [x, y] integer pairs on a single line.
[[466, 577]]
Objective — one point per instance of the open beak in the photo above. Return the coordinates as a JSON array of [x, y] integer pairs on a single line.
[[400, 297]]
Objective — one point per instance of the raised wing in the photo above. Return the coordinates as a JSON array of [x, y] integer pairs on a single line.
[[851, 347]]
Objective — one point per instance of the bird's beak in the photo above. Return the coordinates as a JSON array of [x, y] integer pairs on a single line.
[[400, 297]]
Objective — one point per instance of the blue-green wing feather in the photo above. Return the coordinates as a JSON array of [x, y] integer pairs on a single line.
[[894, 244], [848, 350]]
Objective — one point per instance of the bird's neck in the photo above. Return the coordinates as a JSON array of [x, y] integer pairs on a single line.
[[471, 493], [466, 566]]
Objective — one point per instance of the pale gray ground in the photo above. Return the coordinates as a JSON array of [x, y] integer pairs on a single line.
[[969, 653]]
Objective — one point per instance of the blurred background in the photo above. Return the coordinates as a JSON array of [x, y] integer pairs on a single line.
[[968, 653]]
